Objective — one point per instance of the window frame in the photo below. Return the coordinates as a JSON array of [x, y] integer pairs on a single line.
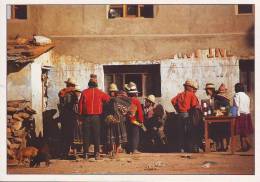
[[12, 17], [124, 9], [145, 92], [236, 10]]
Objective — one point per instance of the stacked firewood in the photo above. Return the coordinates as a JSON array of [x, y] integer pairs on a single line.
[[20, 126]]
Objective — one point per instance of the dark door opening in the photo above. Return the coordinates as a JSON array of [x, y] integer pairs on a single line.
[[146, 77]]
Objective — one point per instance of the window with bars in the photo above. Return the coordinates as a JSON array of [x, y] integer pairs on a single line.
[[146, 77], [129, 10], [16, 12]]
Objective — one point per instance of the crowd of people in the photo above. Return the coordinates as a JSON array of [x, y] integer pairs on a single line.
[[120, 123]]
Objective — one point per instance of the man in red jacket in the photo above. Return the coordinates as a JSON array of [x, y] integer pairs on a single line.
[[91, 107], [182, 103], [135, 118]]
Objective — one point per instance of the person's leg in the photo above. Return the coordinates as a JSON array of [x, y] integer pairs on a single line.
[[86, 136], [135, 138], [128, 145], [180, 134], [96, 134]]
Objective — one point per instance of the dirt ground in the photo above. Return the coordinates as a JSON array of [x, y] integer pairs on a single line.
[[150, 163]]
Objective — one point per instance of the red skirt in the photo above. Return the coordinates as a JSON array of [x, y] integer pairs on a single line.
[[244, 125]]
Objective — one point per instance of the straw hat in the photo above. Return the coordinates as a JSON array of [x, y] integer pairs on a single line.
[[210, 86], [188, 83], [70, 81], [113, 87], [195, 85], [151, 98], [131, 87], [222, 88], [77, 89]]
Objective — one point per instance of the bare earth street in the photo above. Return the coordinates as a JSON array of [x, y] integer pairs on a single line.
[[150, 163]]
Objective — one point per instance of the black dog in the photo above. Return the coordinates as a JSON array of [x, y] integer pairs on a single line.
[[42, 156]]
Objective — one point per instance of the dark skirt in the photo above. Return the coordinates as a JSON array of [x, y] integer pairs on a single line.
[[116, 133], [244, 125]]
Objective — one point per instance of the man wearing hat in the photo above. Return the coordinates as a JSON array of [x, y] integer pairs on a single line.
[[77, 134], [182, 103], [90, 108], [116, 135], [222, 129], [210, 90], [153, 114], [68, 101], [136, 115]]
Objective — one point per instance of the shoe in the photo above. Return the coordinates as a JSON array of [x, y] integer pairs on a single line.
[[97, 157], [136, 152]]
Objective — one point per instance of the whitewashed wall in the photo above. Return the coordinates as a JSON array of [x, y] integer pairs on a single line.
[[36, 89], [19, 84], [174, 72], [65, 67]]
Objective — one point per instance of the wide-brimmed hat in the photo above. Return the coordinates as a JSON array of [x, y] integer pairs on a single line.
[[77, 89], [70, 81], [188, 83], [151, 98], [195, 85], [131, 87], [113, 87], [222, 88], [210, 86]]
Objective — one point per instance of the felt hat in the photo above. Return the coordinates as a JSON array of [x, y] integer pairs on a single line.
[[222, 88], [195, 84], [151, 98], [113, 87], [93, 77], [131, 87], [70, 81], [210, 86], [77, 89], [188, 83]]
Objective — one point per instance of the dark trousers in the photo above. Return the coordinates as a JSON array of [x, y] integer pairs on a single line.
[[133, 136], [183, 131], [67, 127], [91, 129]]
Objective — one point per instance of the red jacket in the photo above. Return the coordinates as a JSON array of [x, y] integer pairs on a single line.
[[184, 101], [91, 101], [139, 112]]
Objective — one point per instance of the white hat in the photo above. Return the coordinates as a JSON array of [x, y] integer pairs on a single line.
[[195, 84], [77, 89], [188, 83], [210, 86], [113, 87], [70, 81], [151, 98], [131, 87]]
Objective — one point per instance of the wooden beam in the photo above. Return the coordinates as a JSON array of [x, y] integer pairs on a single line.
[[124, 10]]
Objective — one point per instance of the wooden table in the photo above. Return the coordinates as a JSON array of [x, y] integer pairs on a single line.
[[220, 119]]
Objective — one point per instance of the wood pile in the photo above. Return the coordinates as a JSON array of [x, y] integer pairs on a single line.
[[20, 126]]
